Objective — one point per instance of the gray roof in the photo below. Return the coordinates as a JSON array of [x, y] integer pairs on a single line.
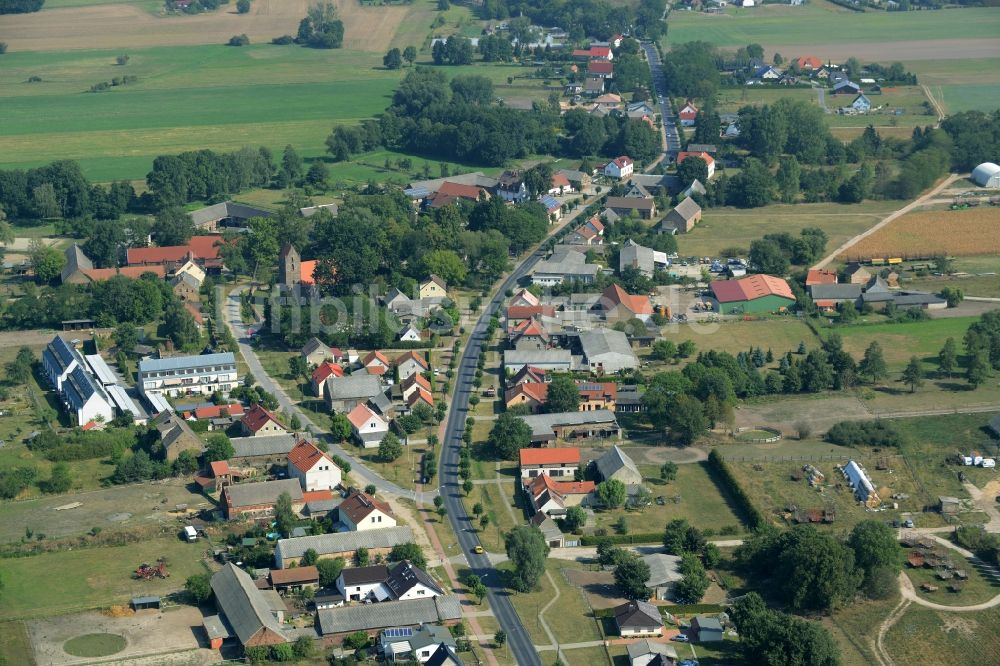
[[183, 362], [242, 603], [656, 180], [708, 622], [342, 542], [835, 291], [173, 428], [443, 656], [313, 345], [388, 614], [702, 147], [215, 627], [911, 298], [76, 260], [226, 209], [548, 527], [477, 178], [80, 386], [405, 576], [573, 175], [637, 256], [543, 424], [353, 386], [687, 209], [614, 461], [637, 614], [309, 211], [566, 261], [265, 492], [272, 445], [644, 647], [662, 569], [600, 341], [694, 187], [377, 573], [535, 357]]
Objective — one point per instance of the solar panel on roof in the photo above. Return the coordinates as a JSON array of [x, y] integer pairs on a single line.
[[398, 632]]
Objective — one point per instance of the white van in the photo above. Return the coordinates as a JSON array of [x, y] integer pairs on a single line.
[[190, 534]]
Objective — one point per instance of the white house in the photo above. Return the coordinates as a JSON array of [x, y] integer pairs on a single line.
[[188, 375], [364, 583], [86, 399], [410, 334], [313, 468], [370, 428], [360, 511], [557, 463], [620, 168]]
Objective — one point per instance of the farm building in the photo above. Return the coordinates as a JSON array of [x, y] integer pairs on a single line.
[[864, 489], [755, 293], [987, 174]]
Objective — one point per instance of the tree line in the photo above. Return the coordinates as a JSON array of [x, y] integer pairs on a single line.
[[597, 19], [20, 6]]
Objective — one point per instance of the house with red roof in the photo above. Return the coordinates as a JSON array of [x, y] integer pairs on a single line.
[[820, 276], [709, 160], [688, 114], [412, 384], [530, 334], [560, 185], [753, 294], [450, 192], [323, 372], [531, 395], [808, 63], [370, 428], [360, 511], [518, 314], [259, 422], [411, 363], [616, 304], [376, 363], [601, 69], [314, 469], [204, 250], [528, 375], [601, 53], [620, 168], [420, 396], [217, 476], [556, 462], [590, 232], [553, 498], [209, 412]]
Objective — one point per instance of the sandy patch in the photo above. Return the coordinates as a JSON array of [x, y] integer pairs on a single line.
[[127, 26]]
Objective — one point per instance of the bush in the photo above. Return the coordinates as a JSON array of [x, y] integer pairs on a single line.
[[243, 6], [752, 517], [284, 40], [867, 433], [239, 40]]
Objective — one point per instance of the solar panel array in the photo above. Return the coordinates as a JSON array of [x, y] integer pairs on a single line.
[[398, 632]]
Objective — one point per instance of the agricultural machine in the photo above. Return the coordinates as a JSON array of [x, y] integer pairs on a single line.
[[150, 571]]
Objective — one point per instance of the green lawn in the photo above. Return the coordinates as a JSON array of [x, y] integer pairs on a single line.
[[95, 645], [821, 22], [780, 335], [899, 342], [493, 500], [723, 228], [570, 618], [15, 646], [975, 590], [92, 577]]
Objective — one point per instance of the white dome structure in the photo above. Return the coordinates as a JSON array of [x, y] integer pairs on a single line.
[[987, 174]]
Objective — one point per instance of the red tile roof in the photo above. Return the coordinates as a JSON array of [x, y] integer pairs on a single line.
[[808, 62], [420, 395], [220, 468], [134, 272], [615, 295], [751, 287], [358, 505], [216, 411], [600, 51], [202, 247], [417, 379], [820, 276], [683, 155], [570, 456], [375, 356], [360, 415], [306, 270], [316, 495], [530, 327], [533, 390], [305, 455], [419, 358], [529, 311], [559, 180], [544, 482], [195, 313], [598, 390], [599, 67], [257, 418], [458, 190], [622, 162], [326, 369], [294, 575]]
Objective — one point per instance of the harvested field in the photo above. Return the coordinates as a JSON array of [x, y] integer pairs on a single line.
[[930, 233], [366, 28]]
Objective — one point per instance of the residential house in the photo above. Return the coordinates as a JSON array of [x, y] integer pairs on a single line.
[[638, 618], [364, 584], [597, 395], [433, 287], [176, 436], [616, 304], [421, 396], [414, 384], [419, 644], [314, 469], [768, 74], [565, 264], [185, 287], [297, 578], [625, 206], [213, 412], [216, 477], [84, 397], [552, 498], [664, 574], [556, 463], [620, 168], [345, 393], [530, 334], [682, 218], [531, 375], [370, 428], [646, 260], [188, 375], [253, 615], [567, 426], [861, 104], [820, 276], [808, 63], [688, 114], [518, 314], [524, 298], [378, 542], [579, 180], [555, 360], [846, 87], [376, 363], [559, 184], [411, 363], [590, 232], [323, 372], [360, 511], [607, 351], [315, 352], [615, 464], [601, 69], [531, 395], [708, 159], [365, 617], [79, 269], [640, 110], [410, 334], [651, 653], [706, 629], [259, 422], [258, 499], [450, 192], [752, 294], [511, 187], [550, 531]]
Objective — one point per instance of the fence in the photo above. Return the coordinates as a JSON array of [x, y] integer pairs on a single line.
[[782, 459]]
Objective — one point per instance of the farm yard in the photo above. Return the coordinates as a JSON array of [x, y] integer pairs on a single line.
[[932, 233]]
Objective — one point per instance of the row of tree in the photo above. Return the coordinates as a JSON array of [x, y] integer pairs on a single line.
[[597, 19]]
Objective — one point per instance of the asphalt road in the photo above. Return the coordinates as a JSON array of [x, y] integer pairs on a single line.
[[517, 636], [666, 111]]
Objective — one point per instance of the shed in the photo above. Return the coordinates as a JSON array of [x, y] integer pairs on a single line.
[[706, 629], [987, 174], [145, 603], [216, 629]]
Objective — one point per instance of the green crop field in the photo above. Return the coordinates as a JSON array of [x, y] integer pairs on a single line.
[[820, 22]]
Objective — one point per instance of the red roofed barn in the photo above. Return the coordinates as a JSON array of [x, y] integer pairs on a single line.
[[754, 293]]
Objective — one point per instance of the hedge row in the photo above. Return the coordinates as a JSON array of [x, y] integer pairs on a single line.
[[749, 514], [641, 537]]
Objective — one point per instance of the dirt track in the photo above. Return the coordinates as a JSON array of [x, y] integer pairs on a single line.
[[127, 26]]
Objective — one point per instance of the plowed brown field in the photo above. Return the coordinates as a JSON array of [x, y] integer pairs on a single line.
[[127, 26], [930, 233]]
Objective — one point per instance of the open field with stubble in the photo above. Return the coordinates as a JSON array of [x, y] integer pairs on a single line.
[[932, 233]]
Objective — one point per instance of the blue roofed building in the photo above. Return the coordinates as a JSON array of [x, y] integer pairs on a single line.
[[58, 360]]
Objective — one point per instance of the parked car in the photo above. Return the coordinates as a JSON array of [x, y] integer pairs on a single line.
[[679, 638]]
